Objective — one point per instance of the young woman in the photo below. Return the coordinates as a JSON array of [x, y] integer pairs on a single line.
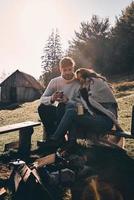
[[97, 98], [97, 94]]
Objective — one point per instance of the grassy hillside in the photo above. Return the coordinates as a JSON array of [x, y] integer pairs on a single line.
[[124, 92], [26, 112]]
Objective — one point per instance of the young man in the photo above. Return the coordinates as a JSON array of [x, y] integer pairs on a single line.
[[61, 89]]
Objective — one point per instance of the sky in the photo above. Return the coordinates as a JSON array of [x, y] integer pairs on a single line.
[[27, 24]]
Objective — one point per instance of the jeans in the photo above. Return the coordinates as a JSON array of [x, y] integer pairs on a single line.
[[67, 123], [97, 124], [51, 116]]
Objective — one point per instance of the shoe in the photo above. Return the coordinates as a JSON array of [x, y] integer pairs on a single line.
[[69, 145], [50, 146], [50, 143], [40, 142]]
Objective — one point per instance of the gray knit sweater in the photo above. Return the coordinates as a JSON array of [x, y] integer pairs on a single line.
[[69, 88]]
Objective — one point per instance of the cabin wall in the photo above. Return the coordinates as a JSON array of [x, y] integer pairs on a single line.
[[22, 94], [21, 81], [5, 93], [27, 94], [5, 88]]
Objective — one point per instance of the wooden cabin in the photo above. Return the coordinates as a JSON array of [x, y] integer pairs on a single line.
[[20, 87]]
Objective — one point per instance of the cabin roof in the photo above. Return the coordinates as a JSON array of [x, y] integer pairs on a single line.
[[30, 79]]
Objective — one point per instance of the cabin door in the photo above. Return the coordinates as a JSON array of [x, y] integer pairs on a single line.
[[13, 94]]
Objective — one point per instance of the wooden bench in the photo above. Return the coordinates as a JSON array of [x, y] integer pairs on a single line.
[[25, 132]]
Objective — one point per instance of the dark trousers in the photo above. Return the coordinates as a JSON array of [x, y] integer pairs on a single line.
[[51, 116]]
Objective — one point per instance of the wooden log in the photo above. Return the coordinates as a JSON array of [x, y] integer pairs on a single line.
[[3, 192], [46, 160]]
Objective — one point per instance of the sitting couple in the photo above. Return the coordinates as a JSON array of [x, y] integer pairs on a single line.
[[86, 87]]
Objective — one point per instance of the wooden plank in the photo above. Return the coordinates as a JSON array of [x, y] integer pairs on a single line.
[[18, 126], [2, 191], [122, 134], [47, 160]]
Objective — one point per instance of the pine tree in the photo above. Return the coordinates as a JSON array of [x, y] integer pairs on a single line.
[[123, 42], [89, 46], [52, 54]]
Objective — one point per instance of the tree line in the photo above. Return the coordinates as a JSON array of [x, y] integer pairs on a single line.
[[107, 49]]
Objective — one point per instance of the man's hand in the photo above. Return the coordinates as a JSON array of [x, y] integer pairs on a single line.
[[59, 96], [55, 96], [64, 99]]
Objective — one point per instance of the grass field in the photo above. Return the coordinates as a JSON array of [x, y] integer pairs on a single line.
[[124, 92], [26, 112]]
